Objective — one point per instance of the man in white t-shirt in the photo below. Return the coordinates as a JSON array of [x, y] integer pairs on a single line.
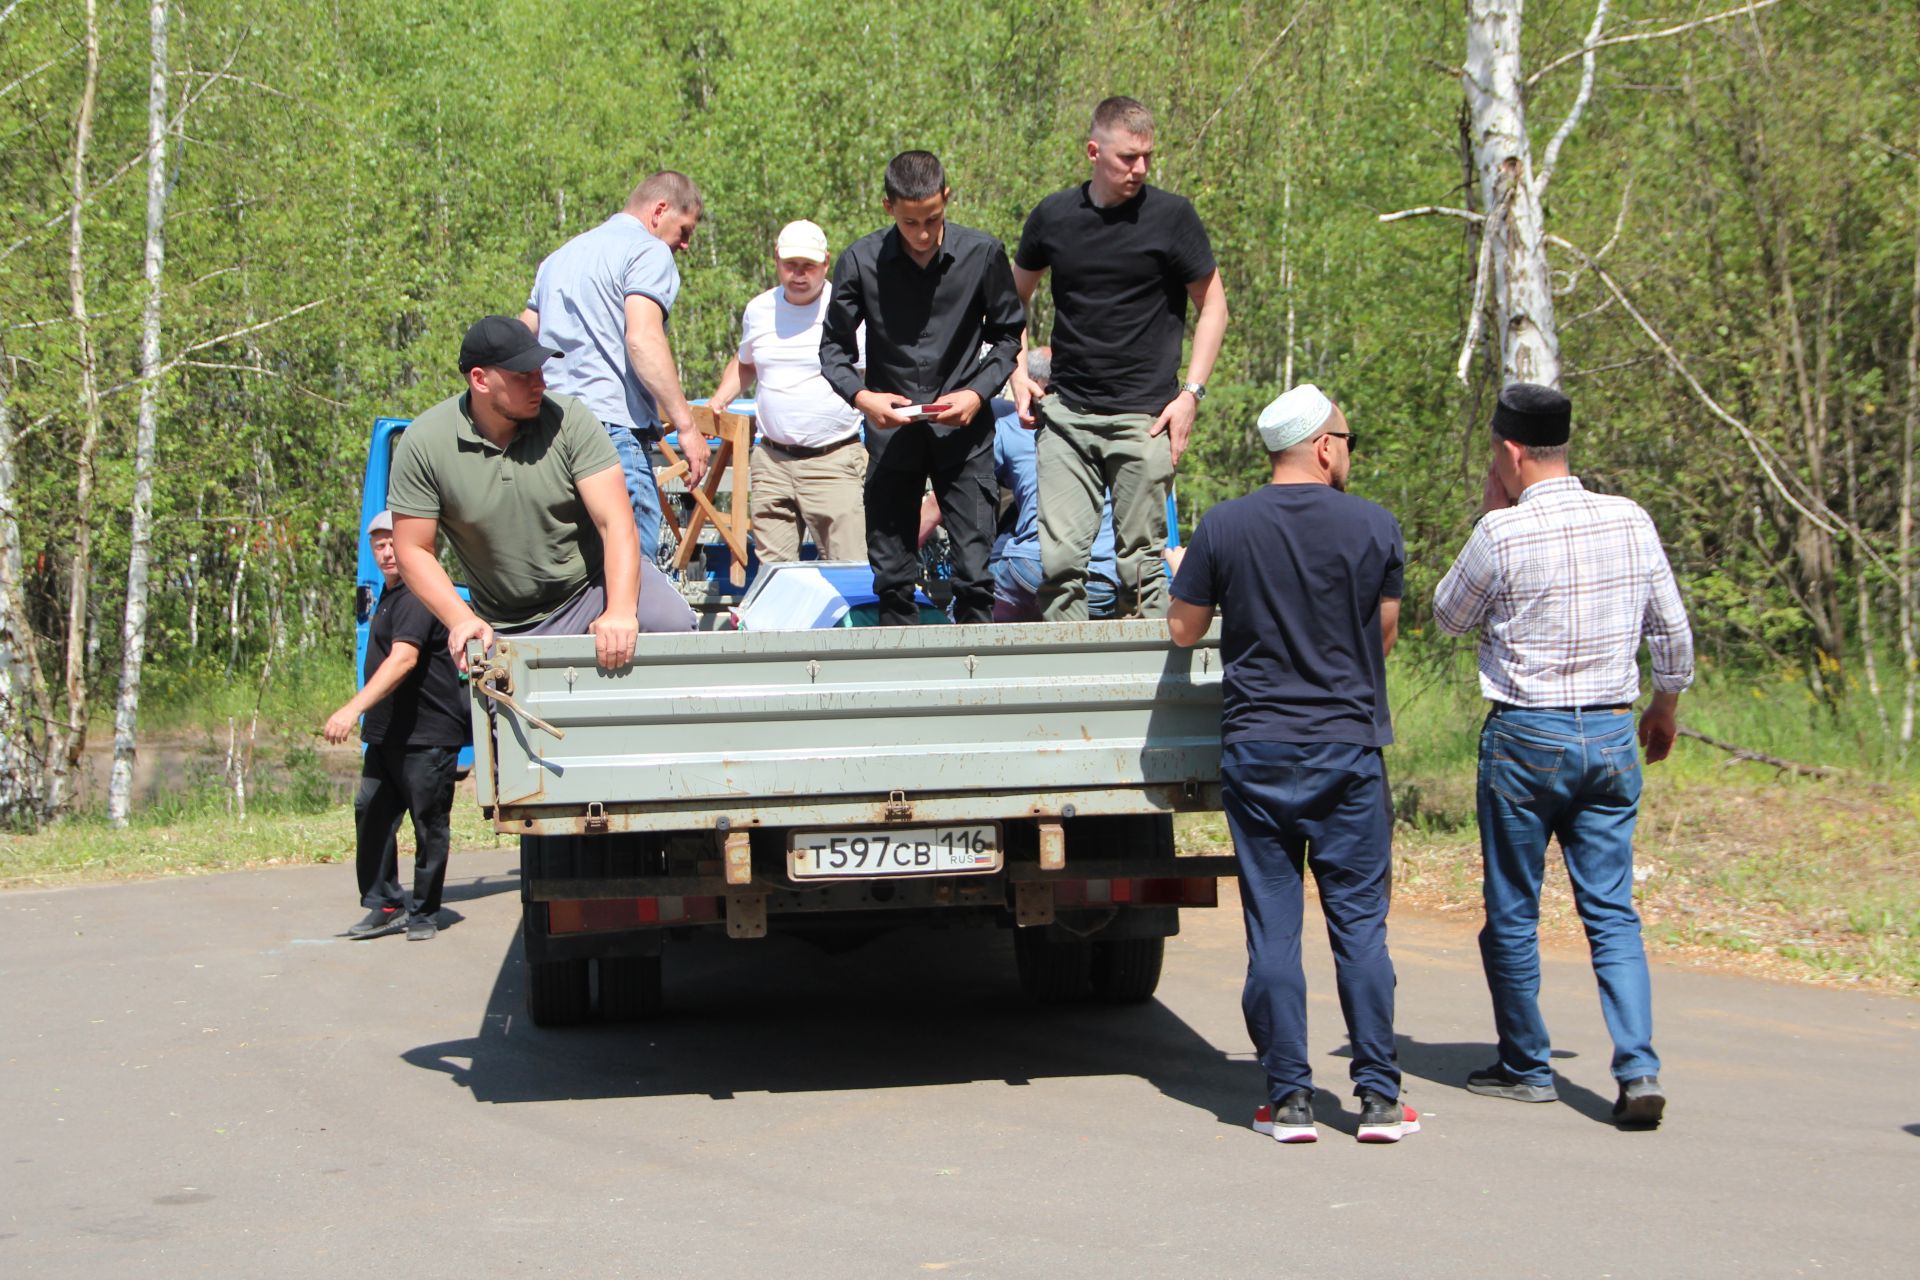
[[809, 465]]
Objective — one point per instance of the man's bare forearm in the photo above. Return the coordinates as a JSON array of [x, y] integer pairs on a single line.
[[652, 361], [387, 677], [736, 378], [1209, 331], [622, 567], [420, 570]]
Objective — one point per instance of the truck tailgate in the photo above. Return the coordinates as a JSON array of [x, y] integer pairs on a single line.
[[791, 728]]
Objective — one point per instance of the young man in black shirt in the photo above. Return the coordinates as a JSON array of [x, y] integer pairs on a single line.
[[415, 724], [1307, 579], [1126, 259], [932, 295]]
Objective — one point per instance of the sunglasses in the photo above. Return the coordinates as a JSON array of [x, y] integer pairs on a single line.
[[1351, 437]]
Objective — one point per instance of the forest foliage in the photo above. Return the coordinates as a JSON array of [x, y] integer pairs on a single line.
[[349, 184]]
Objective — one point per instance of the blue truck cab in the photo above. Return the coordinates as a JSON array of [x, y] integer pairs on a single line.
[[369, 583]]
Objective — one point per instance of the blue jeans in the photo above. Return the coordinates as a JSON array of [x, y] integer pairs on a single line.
[[1575, 776], [1325, 805], [642, 490], [1016, 591]]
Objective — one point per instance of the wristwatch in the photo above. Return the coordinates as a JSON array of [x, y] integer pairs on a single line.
[[1197, 389]]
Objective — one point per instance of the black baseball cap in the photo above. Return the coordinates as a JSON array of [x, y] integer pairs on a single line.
[[503, 342]]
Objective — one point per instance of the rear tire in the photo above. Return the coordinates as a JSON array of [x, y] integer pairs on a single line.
[[629, 988], [1053, 970], [557, 993], [1127, 970]]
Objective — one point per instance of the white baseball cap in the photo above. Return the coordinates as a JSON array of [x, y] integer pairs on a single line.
[[382, 523], [801, 239]]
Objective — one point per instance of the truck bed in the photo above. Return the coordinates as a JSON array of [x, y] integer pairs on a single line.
[[744, 729]]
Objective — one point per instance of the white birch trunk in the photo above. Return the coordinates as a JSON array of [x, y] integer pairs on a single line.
[[133, 631], [1521, 284], [21, 692], [233, 609], [64, 760], [1286, 279], [236, 778], [1912, 429], [193, 603]]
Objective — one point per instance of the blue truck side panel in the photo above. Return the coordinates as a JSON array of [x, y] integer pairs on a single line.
[[368, 580]]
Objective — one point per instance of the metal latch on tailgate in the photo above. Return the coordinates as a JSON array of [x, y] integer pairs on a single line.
[[496, 681], [898, 810]]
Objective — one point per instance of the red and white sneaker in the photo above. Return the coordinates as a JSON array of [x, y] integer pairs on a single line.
[[1384, 1119], [1289, 1120]]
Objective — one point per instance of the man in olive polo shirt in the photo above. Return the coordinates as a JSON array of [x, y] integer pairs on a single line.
[[531, 497]]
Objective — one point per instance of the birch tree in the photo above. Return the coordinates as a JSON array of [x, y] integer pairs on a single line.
[[133, 631], [23, 710], [71, 738], [1513, 278]]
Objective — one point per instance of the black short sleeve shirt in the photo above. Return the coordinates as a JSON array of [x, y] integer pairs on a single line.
[[1298, 572], [429, 709], [1120, 278]]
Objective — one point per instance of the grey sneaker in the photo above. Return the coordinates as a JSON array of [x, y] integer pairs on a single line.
[[1641, 1103], [1497, 1082], [1384, 1119], [378, 921], [1288, 1120], [422, 929]]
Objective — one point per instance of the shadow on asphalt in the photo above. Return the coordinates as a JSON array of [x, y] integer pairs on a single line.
[[911, 1009], [480, 887], [1448, 1065], [1913, 1129]]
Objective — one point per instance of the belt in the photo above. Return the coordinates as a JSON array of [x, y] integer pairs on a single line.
[[650, 435], [810, 450], [1589, 708]]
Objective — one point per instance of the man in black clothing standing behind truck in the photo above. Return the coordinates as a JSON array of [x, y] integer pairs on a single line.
[[932, 295], [1127, 258], [415, 722]]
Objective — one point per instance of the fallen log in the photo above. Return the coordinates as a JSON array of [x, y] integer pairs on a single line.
[[1761, 757]]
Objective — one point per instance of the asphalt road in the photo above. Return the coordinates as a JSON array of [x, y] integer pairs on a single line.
[[198, 1077]]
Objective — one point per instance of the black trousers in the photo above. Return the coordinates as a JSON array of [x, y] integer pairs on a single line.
[[961, 471], [397, 781]]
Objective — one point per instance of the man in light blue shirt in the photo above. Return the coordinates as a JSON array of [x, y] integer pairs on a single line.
[[602, 300]]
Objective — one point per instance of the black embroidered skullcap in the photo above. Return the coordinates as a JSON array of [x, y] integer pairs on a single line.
[[1531, 414]]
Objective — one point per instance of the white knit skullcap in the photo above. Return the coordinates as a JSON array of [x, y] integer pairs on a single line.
[[1294, 417]]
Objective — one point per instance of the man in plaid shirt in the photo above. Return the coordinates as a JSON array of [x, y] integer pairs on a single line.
[[1563, 584]]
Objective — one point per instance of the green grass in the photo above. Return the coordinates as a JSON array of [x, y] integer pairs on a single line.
[[201, 837], [1815, 877], [1437, 710], [302, 689]]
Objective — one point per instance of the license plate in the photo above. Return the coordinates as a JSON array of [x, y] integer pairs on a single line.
[[894, 851]]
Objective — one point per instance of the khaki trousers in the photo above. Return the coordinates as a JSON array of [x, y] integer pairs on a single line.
[[1081, 457], [823, 495]]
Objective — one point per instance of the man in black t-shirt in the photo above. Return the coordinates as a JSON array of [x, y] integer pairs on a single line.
[[415, 722], [1307, 579], [1126, 259]]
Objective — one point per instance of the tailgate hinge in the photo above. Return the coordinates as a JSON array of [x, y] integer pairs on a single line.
[[1053, 846], [737, 852], [898, 810], [596, 824]]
